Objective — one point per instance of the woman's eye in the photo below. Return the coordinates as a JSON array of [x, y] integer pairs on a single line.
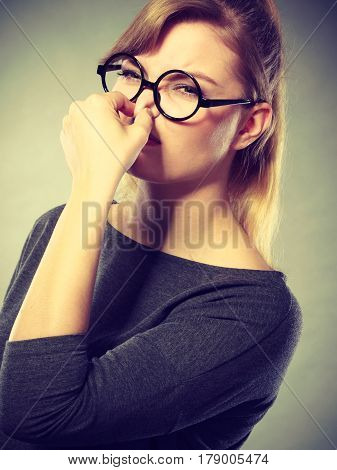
[[128, 73]]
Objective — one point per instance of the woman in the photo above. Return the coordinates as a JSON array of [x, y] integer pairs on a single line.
[[131, 338]]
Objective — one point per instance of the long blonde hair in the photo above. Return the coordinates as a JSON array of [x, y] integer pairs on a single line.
[[252, 29]]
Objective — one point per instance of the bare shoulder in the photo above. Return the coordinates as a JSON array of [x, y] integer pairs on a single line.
[[238, 252], [251, 260], [245, 256], [240, 258]]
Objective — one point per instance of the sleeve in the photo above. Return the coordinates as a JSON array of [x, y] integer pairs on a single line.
[[30, 257], [22, 258], [199, 362]]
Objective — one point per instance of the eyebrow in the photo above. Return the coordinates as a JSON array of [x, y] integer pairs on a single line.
[[202, 76], [196, 74]]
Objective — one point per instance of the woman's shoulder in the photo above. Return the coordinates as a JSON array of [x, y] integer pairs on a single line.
[[238, 254]]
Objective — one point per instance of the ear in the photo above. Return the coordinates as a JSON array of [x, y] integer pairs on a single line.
[[253, 124]]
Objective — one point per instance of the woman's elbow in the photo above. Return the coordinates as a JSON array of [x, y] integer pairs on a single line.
[[19, 427], [21, 422]]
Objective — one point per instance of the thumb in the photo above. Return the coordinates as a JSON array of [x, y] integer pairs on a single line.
[[143, 122]]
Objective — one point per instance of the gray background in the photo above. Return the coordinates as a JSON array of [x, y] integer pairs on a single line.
[[49, 54]]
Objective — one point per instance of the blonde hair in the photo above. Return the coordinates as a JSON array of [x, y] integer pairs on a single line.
[[252, 30]]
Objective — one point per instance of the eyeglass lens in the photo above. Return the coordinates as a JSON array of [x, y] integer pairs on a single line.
[[178, 95]]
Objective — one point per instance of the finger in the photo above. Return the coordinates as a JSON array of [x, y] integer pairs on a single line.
[[121, 103], [143, 121]]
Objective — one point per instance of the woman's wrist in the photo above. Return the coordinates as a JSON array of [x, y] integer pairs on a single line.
[[92, 207], [90, 193]]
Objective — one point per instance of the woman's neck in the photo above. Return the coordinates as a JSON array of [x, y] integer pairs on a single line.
[[197, 224]]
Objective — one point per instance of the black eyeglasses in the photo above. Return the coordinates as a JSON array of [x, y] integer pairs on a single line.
[[123, 72]]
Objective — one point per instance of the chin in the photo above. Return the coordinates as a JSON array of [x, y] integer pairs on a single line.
[[145, 173], [148, 172]]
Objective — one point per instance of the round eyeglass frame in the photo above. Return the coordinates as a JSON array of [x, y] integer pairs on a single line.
[[202, 102]]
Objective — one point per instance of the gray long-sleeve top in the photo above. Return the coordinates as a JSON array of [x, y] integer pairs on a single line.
[[178, 354]]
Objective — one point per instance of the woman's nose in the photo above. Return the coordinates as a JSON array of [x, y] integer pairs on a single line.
[[146, 100]]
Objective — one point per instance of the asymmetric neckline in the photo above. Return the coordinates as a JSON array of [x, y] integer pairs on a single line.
[[173, 258]]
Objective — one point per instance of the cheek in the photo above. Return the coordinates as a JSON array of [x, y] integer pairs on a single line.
[[193, 135], [220, 139], [223, 134], [192, 150], [207, 139]]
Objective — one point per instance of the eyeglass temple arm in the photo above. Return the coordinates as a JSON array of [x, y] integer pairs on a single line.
[[101, 69], [205, 103]]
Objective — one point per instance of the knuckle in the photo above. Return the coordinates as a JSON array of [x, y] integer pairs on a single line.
[[117, 96], [73, 106], [94, 98]]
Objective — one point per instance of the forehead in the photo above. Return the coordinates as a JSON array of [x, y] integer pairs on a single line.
[[202, 50]]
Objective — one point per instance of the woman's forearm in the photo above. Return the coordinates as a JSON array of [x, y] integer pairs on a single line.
[[59, 298]]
